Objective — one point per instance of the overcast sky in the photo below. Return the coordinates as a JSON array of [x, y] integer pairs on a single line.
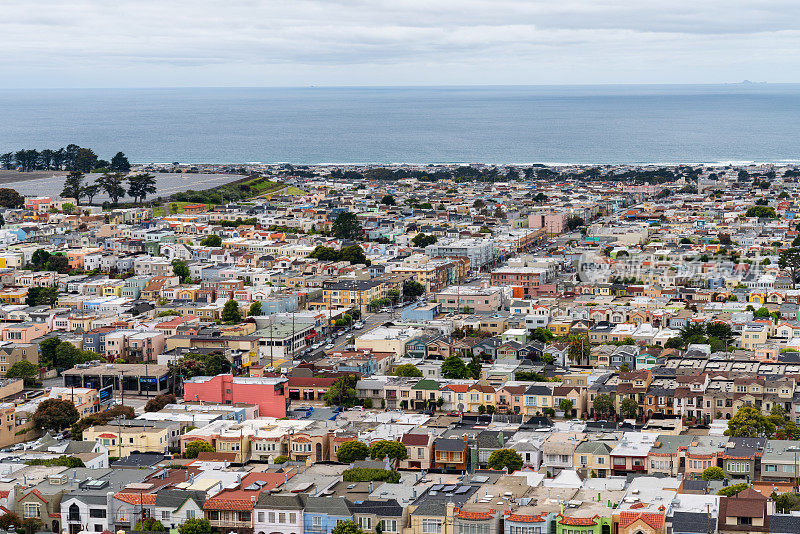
[[148, 43]]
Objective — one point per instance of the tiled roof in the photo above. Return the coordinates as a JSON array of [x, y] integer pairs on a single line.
[[654, 520], [136, 498], [463, 514], [577, 521], [525, 518]]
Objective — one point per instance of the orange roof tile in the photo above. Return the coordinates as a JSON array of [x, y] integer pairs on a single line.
[[654, 520]]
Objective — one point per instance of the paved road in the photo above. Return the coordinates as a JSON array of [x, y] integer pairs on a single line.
[[371, 322]]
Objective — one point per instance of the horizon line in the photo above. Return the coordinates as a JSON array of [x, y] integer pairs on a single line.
[[743, 83]]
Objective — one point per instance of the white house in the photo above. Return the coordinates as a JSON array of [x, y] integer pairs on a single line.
[[279, 514]]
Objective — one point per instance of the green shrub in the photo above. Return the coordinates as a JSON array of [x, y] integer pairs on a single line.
[[363, 474]]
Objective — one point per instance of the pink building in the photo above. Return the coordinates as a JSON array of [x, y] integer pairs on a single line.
[[269, 394], [530, 279], [553, 223]]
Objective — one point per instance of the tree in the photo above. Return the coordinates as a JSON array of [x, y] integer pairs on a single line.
[[255, 309], [413, 289], [346, 226], [25, 370], [603, 405], [786, 502], [9, 198], [230, 313], [350, 451], [55, 414], [790, 260], [479, 203], [181, 269], [342, 392], [47, 351], [629, 408], [579, 348], [762, 212], [388, 200], [505, 458], [58, 263], [733, 489], [32, 525], [120, 163], [542, 334], [422, 240], [407, 370], [474, 367], [9, 519], [157, 403], [395, 450], [73, 186], [149, 525], [719, 330], [41, 296], [574, 221], [713, 473], [111, 183], [193, 448], [68, 208], [85, 160], [195, 526], [346, 527], [749, 423], [453, 367], [90, 191], [141, 185], [565, 405], [354, 254], [212, 240]]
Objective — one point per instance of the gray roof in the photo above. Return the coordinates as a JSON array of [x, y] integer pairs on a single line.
[[451, 445], [293, 501], [693, 523], [388, 508], [333, 506], [784, 524], [174, 498]]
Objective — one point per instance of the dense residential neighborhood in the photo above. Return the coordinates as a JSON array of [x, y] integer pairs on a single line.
[[408, 350]]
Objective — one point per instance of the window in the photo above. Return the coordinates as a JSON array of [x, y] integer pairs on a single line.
[[190, 514], [272, 517], [432, 526], [365, 523], [32, 510], [164, 514], [292, 518], [316, 521], [282, 517]]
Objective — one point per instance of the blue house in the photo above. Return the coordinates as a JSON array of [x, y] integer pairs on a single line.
[[322, 514]]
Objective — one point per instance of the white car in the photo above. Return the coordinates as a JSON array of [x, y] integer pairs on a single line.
[[329, 346], [359, 325]]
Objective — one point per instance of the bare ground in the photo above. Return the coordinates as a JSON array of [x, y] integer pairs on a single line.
[[7, 177]]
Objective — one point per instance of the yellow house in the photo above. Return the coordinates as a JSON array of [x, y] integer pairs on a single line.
[[480, 394], [592, 457], [538, 398], [559, 328], [353, 293], [188, 294], [13, 295], [752, 336], [112, 290], [130, 439], [756, 297]]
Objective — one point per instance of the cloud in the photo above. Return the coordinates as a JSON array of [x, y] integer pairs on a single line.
[[283, 42]]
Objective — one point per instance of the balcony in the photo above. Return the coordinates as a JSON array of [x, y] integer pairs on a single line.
[[222, 523]]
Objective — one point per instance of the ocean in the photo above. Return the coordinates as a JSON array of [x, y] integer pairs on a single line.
[[504, 124]]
